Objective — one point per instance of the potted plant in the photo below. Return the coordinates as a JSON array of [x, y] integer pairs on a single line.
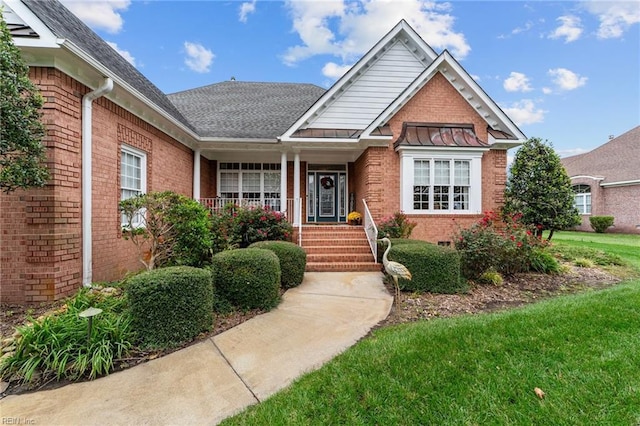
[[354, 218]]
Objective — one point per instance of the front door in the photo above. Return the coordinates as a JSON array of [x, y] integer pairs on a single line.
[[327, 197]]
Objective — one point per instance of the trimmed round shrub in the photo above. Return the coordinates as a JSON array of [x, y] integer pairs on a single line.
[[293, 261], [435, 269], [170, 306], [600, 224], [248, 278]]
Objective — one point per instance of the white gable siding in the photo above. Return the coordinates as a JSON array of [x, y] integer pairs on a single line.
[[372, 91]]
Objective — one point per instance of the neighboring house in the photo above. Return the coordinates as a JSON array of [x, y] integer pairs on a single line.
[[404, 129], [607, 182]]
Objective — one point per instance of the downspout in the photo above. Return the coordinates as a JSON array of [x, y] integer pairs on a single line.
[[87, 121]]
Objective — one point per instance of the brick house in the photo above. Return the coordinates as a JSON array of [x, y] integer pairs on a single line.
[[405, 129], [607, 182]]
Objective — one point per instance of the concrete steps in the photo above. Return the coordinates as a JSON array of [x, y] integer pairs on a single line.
[[337, 248]]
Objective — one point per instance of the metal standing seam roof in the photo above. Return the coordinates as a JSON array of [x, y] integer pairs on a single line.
[[433, 134], [66, 25], [236, 109]]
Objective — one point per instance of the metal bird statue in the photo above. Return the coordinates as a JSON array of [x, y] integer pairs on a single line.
[[395, 269]]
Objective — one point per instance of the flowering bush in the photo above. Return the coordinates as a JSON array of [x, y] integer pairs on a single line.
[[502, 244], [235, 227], [396, 226]]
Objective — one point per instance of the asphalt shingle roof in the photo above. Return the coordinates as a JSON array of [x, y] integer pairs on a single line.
[[65, 24], [235, 109], [616, 160]]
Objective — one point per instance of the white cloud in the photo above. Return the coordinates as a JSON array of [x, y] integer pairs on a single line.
[[246, 9], [103, 15], [525, 112], [547, 90], [523, 29], [124, 53], [615, 16], [566, 79], [517, 82], [347, 29], [570, 28], [335, 71], [199, 58]]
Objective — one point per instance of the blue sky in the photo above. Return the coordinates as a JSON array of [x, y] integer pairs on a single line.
[[564, 71]]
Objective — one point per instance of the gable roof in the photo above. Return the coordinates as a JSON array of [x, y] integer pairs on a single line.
[[401, 33], [251, 110], [615, 161], [65, 25], [501, 128]]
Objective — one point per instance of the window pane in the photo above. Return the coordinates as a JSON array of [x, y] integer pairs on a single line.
[[441, 197], [272, 182], [461, 173], [251, 182], [442, 174], [421, 172], [421, 197], [229, 182], [461, 198]]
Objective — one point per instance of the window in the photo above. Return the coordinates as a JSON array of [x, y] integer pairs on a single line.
[[133, 180], [251, 182], [450, 190], [582, 198]]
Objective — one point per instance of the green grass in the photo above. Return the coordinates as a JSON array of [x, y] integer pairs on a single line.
[[581, 350], [624, 245]]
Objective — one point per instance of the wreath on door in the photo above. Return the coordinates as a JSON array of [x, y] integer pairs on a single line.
[[327, 182]]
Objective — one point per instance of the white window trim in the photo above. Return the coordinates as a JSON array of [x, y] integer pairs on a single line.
[[143, 178], [409, 154], [582, 207]]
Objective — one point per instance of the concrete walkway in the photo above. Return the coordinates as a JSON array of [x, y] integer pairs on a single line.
[[219, 377]]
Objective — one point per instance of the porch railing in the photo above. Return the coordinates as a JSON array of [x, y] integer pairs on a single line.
[[371, 230]]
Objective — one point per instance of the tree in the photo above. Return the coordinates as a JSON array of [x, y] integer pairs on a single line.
[[540, 189], [21, 130]]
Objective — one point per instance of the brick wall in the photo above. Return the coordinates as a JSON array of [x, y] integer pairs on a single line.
[[377, 170], [41, 230]]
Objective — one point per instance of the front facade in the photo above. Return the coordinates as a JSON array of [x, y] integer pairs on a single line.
[[606, 182], [405, 129]]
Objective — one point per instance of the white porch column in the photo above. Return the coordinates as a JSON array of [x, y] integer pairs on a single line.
[[196, 174], [283, 182], [296, 187]]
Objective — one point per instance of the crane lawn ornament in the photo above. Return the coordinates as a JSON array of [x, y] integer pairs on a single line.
[[395, 269]]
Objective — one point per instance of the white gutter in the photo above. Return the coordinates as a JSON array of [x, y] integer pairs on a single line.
[[621, 183], [87, 121]]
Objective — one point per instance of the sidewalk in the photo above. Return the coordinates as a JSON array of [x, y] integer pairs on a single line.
[[219, 377]]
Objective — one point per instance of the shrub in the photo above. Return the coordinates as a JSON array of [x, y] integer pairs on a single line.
[[170, 306], [235, 227], [396, 226], [434, 268], [174, 229], [542, 261], [490, 277], [57, 346], [601, 223], [494, 243], [248, 278], [293, 261], [584, 263]]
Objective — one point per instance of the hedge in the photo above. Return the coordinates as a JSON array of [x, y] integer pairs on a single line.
[[248, 278], [170, 306], [293, 261], [434, 269]]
